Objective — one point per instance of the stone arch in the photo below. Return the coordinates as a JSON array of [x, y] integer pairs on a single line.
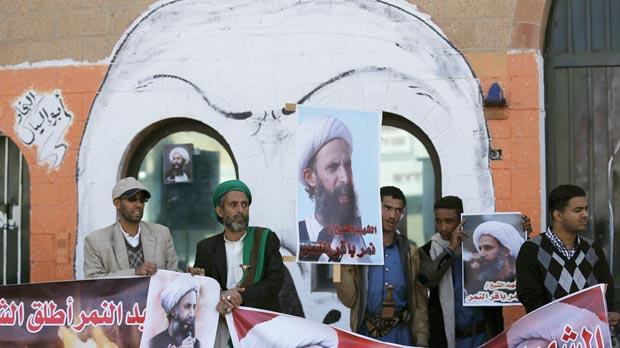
[[529, 24], [233, 65]]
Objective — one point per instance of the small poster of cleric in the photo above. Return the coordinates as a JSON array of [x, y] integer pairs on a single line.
[[489, 257], [180, 311], [178, 163], [338, 211]]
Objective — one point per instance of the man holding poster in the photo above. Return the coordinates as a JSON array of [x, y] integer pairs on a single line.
[[331, 228]]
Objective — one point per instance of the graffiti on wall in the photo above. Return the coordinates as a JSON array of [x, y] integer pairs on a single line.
[[41, 120]]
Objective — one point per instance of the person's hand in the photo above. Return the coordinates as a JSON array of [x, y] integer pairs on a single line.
[[195, 271], [526, 224], [613, 318], [457, 236], [147, 269], [229, 300]]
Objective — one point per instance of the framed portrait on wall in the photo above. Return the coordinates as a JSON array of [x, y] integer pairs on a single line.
[[178, 163]]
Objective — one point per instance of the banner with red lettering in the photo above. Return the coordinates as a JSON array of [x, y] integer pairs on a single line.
[[577, 320], [256, 328], [109, 312]]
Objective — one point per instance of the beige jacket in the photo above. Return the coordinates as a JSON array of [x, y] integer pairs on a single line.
[[105, 253], [352, 291]]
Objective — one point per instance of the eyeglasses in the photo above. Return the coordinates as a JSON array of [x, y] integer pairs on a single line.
[[134, 198]]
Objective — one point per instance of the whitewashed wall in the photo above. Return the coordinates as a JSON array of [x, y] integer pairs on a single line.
[[233, 65]]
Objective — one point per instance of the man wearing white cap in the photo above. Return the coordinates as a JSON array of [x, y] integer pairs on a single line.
[[178, 300], [130, 246], [324, 147], [498, 244], [179, 166]]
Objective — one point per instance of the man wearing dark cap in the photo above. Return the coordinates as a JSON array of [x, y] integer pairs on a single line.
[[244, 259], [130, 246]]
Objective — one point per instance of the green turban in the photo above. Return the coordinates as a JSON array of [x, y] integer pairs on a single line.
[[227, 186]]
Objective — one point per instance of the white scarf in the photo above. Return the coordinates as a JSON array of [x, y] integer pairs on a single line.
[[446, 290]]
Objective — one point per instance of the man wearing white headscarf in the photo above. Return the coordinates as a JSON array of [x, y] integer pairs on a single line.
[[498, 244], [180, 170], [324, 150], [178, 300]]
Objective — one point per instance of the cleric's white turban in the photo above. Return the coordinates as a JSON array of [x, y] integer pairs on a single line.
[[181, 151], [316, 132], [505, 233], [177, 288]]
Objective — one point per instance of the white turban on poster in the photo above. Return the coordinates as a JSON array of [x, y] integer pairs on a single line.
[[503, 232], [181, 151], [315, 133], [178, 288]]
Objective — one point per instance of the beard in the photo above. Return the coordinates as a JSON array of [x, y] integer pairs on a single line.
[[181, 329], [489, 270], [331, 210], [178, 168], [237, 223]]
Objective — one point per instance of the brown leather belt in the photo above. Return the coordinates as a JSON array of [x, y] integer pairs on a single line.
[[379, 326]]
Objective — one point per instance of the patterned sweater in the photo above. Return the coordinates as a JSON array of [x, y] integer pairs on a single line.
[[544, 274]]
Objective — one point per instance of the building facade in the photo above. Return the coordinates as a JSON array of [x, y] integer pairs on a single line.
[[92, 91]]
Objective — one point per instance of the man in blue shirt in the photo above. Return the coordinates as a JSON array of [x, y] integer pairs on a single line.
[[387, 302]]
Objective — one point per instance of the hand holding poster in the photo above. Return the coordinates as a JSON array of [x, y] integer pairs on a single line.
[[577, 320], [338, 212], [489, 258]]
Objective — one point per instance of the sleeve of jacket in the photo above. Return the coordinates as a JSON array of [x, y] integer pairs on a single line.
[[431, 271], [602, 273], [172, 261], [530, 285], [420, 317], [346, 289], [94, 265], [261, 293]]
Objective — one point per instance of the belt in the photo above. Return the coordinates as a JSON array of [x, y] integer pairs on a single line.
[[379, 326], [470, 331]]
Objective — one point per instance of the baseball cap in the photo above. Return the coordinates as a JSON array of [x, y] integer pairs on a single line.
[[128, 187]]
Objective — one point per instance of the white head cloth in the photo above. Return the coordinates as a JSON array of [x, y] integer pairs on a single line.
[[178, 288], [316, 132], [181, 151], [505, 233]]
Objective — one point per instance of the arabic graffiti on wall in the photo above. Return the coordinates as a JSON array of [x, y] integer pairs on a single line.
[[42, 120]]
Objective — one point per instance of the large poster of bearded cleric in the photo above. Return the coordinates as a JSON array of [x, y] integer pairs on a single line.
[[338, 211], [489, 258], [180, 311]]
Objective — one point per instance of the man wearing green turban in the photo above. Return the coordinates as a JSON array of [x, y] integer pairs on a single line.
[[244, 259]]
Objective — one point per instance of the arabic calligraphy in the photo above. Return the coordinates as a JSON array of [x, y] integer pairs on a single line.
[[48, 313], [42, 120], [310, 249], [497, 296], [501, 285], [351, 229], [11, 313], [572, 338]]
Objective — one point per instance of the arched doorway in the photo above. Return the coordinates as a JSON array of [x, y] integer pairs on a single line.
[[14, 214], [582, 78], [183, 206]]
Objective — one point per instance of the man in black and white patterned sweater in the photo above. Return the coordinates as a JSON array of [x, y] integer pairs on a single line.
[[559, 261]]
